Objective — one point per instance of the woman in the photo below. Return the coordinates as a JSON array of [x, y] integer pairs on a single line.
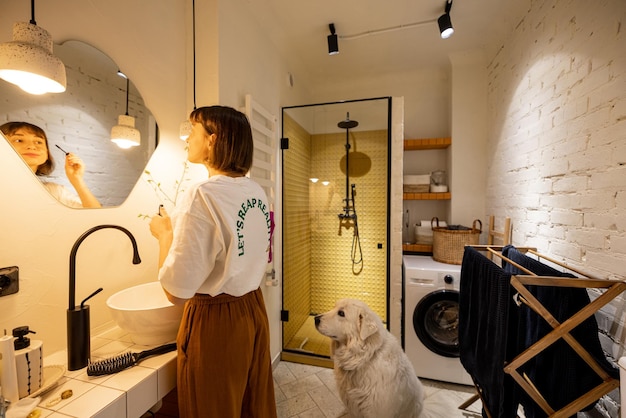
[[212, 257], [31, 142]]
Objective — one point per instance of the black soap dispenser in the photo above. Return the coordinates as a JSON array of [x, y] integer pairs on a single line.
[[21, 340]]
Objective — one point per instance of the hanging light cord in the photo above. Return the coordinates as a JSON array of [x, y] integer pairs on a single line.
[[127, 85], [32, 12], [193, 26], [356, 250]]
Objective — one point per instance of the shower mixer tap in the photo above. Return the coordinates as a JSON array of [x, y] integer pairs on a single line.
[[349, 212], [348, 218]]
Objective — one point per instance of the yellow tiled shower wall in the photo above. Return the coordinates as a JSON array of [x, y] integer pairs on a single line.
[[319, 267], [334, 275]]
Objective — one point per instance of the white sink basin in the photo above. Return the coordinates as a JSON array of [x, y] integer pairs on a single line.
[[145, 313]]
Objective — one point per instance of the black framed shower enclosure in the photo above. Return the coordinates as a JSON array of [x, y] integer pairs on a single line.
[[336, 165]]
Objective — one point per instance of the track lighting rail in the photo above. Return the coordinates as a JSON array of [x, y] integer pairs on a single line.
[[386, 30]]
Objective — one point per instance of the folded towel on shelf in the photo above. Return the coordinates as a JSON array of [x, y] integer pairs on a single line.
[[558, 372], [488, 331]]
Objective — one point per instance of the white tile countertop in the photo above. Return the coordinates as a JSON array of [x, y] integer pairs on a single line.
[[128, 393]]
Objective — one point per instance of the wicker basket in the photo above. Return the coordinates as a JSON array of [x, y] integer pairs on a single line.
[[449, 242]]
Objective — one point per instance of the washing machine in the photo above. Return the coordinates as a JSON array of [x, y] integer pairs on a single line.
[[431, 294]]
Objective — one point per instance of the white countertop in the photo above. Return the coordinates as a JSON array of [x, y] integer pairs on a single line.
[[129, 393]]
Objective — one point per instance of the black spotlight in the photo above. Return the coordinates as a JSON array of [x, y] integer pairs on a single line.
[[333, 43], [445, 24]]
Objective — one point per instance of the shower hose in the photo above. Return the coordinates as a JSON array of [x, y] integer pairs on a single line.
[[356, 251]]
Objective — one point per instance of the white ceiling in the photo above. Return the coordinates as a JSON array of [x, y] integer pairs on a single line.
[[299, 28]]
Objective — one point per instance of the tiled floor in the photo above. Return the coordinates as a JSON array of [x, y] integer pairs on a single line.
[[304, 391]]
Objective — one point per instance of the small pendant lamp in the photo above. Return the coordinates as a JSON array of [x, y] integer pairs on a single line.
[[185, 126], [28, 62], [124, 134]]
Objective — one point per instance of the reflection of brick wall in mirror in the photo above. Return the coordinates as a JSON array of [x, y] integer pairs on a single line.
[[81, 118]]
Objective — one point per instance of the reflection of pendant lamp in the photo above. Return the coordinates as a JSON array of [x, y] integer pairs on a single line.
[[27, 61], [185, 126], [124, 134]]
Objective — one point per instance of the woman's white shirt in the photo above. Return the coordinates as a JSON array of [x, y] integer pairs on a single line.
[[221, 232]]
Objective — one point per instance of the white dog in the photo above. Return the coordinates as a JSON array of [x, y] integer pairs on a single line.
[[374, 376]]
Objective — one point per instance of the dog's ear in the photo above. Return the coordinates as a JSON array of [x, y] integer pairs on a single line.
[[367, 325]]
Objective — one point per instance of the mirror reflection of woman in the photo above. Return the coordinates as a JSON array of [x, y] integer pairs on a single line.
[[31, 142]]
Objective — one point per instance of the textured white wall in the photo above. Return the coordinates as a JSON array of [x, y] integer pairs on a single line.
[[557, 139]]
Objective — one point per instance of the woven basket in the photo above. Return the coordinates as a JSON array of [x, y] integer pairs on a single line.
[[449, 242]]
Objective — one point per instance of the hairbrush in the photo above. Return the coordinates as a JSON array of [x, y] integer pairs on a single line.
[[118, 363]]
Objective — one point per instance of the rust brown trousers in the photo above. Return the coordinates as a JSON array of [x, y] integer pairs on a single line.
[[224, 362]]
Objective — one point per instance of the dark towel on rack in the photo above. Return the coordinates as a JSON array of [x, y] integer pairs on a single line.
[[487, 331], [558, 372]]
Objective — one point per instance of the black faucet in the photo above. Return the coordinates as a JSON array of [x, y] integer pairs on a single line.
[[78, 327]]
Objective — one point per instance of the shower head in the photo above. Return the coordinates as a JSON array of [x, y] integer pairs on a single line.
[[348, 124]]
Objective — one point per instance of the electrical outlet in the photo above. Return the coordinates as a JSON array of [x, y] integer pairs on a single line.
[[9, 280]]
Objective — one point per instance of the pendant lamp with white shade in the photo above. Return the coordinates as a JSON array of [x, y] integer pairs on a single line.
[[124, 134], [28, 62]]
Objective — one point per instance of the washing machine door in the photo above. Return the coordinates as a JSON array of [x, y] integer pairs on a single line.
[[436, 322]]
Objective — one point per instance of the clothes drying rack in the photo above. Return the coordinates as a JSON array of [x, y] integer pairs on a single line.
[[560, 330]]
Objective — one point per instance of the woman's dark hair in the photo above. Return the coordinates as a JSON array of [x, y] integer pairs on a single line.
[[233, 148], [10, 128]]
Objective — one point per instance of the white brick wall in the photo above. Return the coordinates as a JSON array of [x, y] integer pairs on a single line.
[[557, 141]]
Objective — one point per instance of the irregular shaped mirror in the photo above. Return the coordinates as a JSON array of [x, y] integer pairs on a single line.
[[79, 121]]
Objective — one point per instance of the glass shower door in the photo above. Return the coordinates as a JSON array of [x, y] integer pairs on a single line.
[[335, 165]]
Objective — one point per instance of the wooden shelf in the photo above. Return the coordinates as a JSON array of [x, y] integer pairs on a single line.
[[417, 248], [426, 196], [426, 143], [421, 144]]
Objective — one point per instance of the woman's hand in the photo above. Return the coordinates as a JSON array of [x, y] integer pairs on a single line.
[[161, 229], [161, 224], [74, 168]]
